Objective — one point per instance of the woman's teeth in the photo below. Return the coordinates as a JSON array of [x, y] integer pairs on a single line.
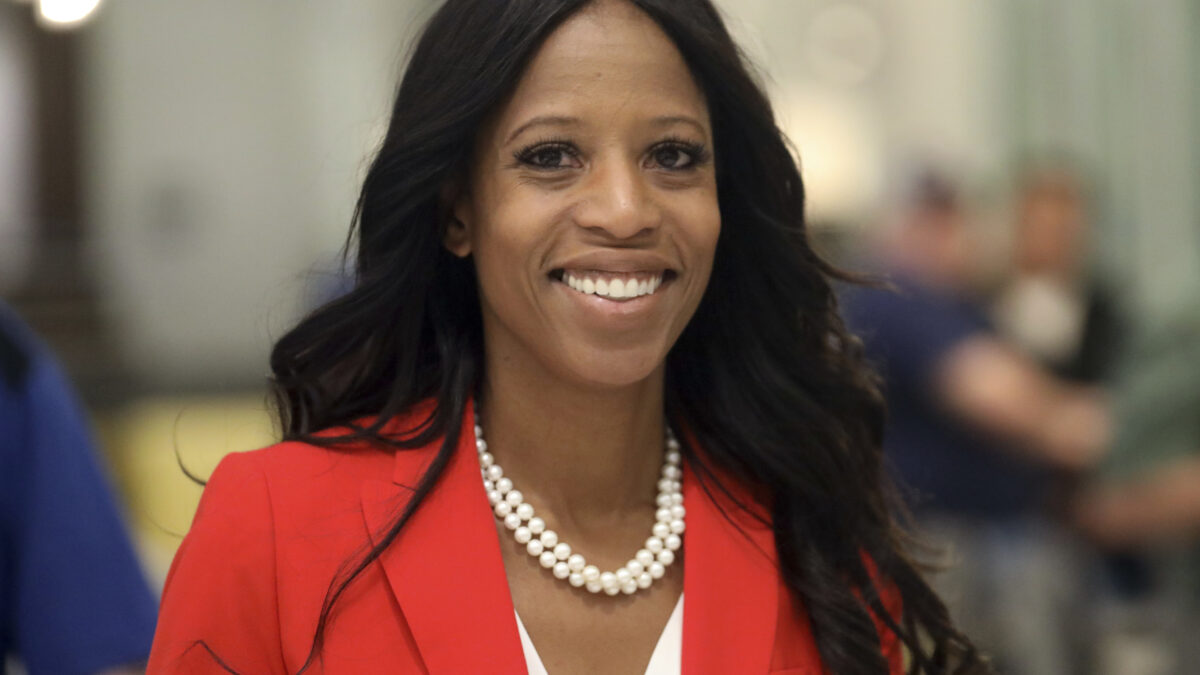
[[614, 286]]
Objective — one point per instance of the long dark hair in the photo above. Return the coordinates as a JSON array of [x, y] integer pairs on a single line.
[[765, 375]]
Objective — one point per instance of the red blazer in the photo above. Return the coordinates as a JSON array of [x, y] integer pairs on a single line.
[[275, 526]]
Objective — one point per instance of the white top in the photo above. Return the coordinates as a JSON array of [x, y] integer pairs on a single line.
[[666, 659]]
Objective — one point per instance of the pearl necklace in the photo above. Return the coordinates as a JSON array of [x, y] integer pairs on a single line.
[[648, 564]]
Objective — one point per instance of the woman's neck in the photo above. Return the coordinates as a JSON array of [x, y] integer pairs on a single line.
[[586, 455]]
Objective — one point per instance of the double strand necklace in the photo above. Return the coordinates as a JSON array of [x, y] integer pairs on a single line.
[[649, 564]]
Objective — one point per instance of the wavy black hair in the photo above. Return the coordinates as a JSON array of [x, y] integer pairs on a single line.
[[766, 376]]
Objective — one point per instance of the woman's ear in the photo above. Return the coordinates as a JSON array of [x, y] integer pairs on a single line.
[[457, 237]]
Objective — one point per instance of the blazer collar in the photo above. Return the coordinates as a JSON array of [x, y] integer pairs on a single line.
[[447, 573]]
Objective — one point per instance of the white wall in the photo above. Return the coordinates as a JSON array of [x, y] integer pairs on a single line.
[[225, 140], [865, 88]]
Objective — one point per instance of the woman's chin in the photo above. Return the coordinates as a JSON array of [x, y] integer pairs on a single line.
[[603, 369]]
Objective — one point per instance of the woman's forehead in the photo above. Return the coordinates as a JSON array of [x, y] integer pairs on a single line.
[[609, 58]]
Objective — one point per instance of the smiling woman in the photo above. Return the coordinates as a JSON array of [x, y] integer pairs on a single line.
[[584, 233]]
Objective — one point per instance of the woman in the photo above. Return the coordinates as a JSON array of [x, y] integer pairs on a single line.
[[583, 230]]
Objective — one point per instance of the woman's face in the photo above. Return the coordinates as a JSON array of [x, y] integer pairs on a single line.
[[591, 211]]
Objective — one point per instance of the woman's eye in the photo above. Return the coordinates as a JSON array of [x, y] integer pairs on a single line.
[[548, 157], [676, 156]]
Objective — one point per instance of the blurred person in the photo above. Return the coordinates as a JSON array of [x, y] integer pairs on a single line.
[[1056, 310], [1051, 306], [73, 596], [583, 230], [1155, 513], [1143, 504], [977, 432]]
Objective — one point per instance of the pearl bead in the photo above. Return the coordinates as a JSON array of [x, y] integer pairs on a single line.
[[677, 526], [486, 459], [644, 556], [660, 529], [561, 571], [575, 579], [494, 472], [576, 563], [673, 447], [657, 570], [673, 542], [504, 485], [673, 472], [644, 580], [562, 550], [549, 538], [623, 576], [661, 515], [481, 445], [629, 587], [534, 547], [608, 580], [594, 586], [654, 545], [591, 573], [478, 429], [663, 500], [522, 535], [635, 568], [677, 498], [547, 559], [512, 521], [488, 485], [537, 525], [678, 512], [525, 511], [515, 498], [612, 591], [666, 557], [503, 509], [494, 497], [664, 484]]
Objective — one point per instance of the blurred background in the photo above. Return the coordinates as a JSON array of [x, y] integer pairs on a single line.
[[176, 180]]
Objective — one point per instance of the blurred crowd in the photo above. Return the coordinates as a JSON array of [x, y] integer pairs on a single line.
[[1002, 355]]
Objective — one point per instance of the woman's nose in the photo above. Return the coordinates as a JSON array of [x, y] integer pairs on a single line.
[[618, 201]]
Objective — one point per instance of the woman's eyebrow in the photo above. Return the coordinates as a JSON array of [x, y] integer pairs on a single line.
[[669, 120], [565, 121], [543, 120]]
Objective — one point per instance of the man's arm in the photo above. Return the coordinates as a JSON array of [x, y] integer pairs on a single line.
[[991, 386]]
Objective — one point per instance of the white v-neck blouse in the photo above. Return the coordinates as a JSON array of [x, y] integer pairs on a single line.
[[666, 660]]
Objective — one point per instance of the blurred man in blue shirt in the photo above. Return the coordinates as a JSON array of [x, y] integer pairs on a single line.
[[978, 433], [73, 599]]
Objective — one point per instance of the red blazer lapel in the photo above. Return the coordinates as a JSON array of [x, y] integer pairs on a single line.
[[730, 584], [445, 567], [447, 573]]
